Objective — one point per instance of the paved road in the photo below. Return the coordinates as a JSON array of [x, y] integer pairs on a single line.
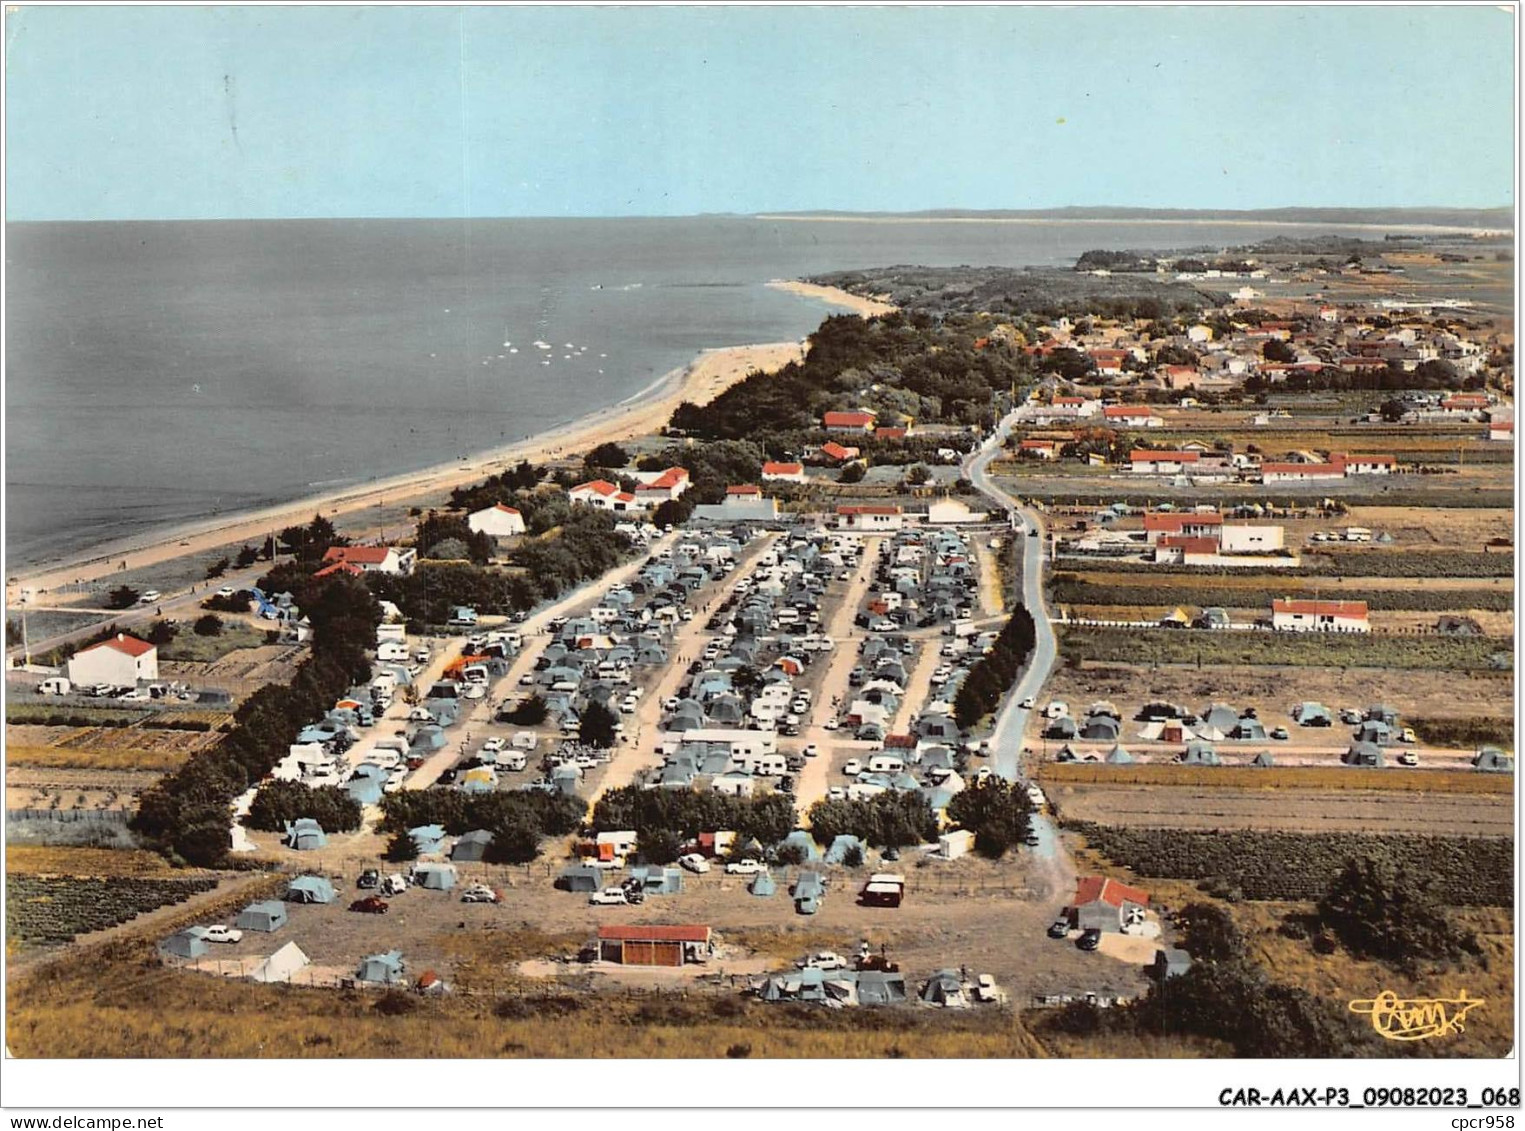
[[1011, 719]]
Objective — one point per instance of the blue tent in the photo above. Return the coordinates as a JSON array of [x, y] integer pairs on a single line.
[[434, 877], [305, 834], [805, 842], [267, 915], [658, 881], [427, 838], [310, 889], [364, 789], [1492, 760], [472, 845], [843, 844], [386, 969], [189, 943], [762, 885], [580, 878]]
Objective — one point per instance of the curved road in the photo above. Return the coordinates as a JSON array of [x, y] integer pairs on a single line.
[[1011, 719]]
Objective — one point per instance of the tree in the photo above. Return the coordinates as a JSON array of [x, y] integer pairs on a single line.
[[246, 557], [1279, 351], [996, 811], [852, 473], [1392, 915], [160, 633], [449, 549], [659, 846], [122, 597], [597, 726], [402, 848], [917, 474], [530, 712], [217, 568], [208, 625], [607, 455]]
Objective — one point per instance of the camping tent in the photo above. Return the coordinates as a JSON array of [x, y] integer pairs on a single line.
[[945, 988], [1219, 715], [435, 877], [310, 889], [1117, 756], [189, 943], [1364, 754], [842, 845], [762, 885], [1062, 727], [387, 969], [1311, 714], [1100, 728], [1492, 760], [427, 838], [472, 846], [305, 834], [580, 878], [878, 987], [1200, 754], [265, 916], [281, 965], [804, 841], [1262, 759], [1248, 730]]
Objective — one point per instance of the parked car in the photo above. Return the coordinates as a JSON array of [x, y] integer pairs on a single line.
[[1280, 734], [694, 862], [225, 591], [746, 867], [1026, 704], [823, 960], [493, 745], [479, 893], [1089, 939], [1059, 928], [853, 768], [370, 905], [609, 897], [1408, 758], [222, 933], [811, 750], [369, 878], [1032, 839], [149, 597]]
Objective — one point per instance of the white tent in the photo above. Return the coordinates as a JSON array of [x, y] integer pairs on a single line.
[[1152, 732], [281, 965]]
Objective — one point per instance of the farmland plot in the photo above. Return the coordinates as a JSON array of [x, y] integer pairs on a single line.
[[50, 910]]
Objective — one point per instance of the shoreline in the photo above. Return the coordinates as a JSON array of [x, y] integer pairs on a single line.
[[646, 412], [1437, 229], [860, 305]]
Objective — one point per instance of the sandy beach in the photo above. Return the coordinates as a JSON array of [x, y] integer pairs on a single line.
[[835, 296], [710, 374]]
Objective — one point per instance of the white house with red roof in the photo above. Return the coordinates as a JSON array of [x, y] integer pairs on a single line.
[[1289, 615], [1301, 472], [1131, 416], [1501, 431], [1165, 524], [1465, 404], [122, 661], [1148, 462], [1367, 465], [604, 495], [784, 472], [835, 453], [496, 521], [861, 420], [1039, 449], [1105, 904], [654, 487], [372, 559], [869, 517]]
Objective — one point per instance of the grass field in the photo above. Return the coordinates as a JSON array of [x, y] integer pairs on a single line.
[[187, 647], [1163, 646], [55, 860]]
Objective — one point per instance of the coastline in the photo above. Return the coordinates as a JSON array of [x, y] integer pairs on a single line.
[[1436, 229], [835, 296], [700, 381]]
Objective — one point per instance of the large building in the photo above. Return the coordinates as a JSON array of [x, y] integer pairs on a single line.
[[372, 559], [604, 495], [656, 487], [496, 521], [869, 518], [848, 421], [122, 661]]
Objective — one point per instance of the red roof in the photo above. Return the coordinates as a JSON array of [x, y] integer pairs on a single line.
[[1320, 608], [868, 509], [360, 555], [1108, 355], [1502, 426], [896, 433], [837, 451], [121, 642], [744, 489], [340, 567], [1069, 400], [771, 468], [669, 479], [1171, 523], [504, 508], [1127, 410], [1364, 459], [1038, 445], [615, 933], [1088, 889], [1142, 456], [847, 419], [1465, 400], [598, 487]]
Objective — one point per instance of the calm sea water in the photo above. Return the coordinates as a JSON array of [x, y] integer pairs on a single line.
[[164, 372]]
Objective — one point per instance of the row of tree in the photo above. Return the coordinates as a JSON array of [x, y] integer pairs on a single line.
[[892, 819], [686, 813], [517, 819], [278, 803], [994, 673], [186, 814]]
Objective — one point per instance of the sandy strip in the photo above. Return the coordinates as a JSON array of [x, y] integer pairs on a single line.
[[710, 374], [863, 307]]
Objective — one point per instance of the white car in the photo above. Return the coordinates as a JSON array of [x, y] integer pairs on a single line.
[[830, 724], [694, 862], [493, 745], [1026, 704], [149, 597], [823, 960], [836, 793], [609, 897], [225, 591], [747, 867], [853, 768], [136, 695], [670, 703], [221, 933], [479, 893], [811, 750]]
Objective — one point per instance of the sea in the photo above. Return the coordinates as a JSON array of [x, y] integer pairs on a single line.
[[158, 373]]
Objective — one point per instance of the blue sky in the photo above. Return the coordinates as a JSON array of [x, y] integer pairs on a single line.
[[156, 113]]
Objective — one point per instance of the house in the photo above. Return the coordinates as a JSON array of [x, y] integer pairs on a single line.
[[1501, 431], [1245, 539], [1367, 465], [1162, 463], [1182, 549], [784, 472], [604, 495], [1109, 362], [310, 889], [654, 946], [372, 559], [658, 487], [382, 969], [1465, 404], [868, 518], [1300, 472], [1039, 449], [1131, 416], [1162, 524], [1290, 615], [267, 915], [832, 452], [121, 662], [862, 421], [1105, 904], [496, 521]]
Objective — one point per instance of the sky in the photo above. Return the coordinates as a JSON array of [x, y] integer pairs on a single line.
[[117, 113]]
